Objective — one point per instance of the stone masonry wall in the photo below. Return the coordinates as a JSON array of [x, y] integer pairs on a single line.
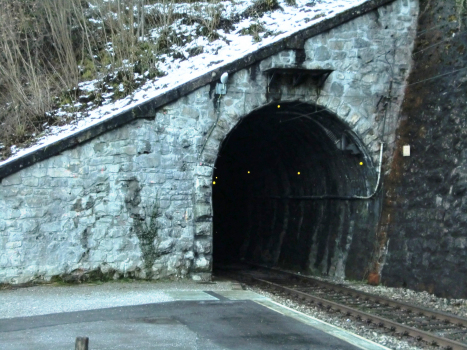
[[136, 201], [424, 220]]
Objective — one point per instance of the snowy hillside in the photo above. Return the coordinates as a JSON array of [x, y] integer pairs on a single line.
[[244, 27]]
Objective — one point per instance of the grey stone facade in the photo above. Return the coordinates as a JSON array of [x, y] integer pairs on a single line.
[[136, 201], [425, 216]]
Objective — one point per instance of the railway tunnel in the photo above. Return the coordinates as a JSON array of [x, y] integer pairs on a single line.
[[290, 189]]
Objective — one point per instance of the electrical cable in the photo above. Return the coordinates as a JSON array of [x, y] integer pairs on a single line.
[[439, 42], [213, 126], [437, 76], [328, 132], [337, 197], [382, 143], [342, 197], [350, 96], [385, 53], [437, 26]]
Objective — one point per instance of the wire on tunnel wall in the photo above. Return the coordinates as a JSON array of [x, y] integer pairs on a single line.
[[316, 155], [336, 197], [334, 140], [213, 126]]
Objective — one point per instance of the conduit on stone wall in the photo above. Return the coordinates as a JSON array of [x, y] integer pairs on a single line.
[[267, 164]]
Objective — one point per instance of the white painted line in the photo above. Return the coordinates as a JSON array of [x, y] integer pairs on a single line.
[[337, 332]]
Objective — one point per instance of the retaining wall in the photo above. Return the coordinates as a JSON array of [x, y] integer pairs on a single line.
[[136, 200]]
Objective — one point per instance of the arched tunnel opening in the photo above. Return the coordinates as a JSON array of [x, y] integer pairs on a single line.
[[289, 190]]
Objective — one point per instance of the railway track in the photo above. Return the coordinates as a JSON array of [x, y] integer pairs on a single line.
[[432, 327]]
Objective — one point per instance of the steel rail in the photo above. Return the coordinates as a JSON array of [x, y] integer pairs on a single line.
[[369, 318], [418, 310]]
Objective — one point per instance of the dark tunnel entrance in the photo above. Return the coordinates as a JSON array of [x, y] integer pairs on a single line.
[[284, 193]]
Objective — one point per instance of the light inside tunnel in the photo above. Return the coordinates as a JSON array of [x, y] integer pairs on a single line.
[[278, 215]]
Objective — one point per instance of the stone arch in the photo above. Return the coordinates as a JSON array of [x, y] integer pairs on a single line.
[[176, 143], [269, 215]]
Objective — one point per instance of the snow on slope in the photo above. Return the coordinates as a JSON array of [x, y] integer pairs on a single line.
[[278, 24]]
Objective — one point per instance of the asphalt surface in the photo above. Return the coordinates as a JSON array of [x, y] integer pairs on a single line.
[[204, 325], [176, 315]]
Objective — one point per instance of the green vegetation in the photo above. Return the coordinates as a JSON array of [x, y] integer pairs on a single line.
[[260, 7], [49, 46], [146, 229], [254, 30]]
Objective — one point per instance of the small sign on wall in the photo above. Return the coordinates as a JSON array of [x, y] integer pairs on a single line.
[[406, 151]]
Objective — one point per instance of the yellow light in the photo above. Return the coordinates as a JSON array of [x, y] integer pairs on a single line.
[[248, 171], [361, 163], [298, 173], [278, 106], [214, 182], [216, 177]]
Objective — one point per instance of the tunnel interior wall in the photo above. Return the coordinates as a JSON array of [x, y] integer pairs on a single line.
[[293, 198], [424, 217], [370, 59]]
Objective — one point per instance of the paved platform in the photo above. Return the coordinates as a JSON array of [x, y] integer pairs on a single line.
[[181, 319]]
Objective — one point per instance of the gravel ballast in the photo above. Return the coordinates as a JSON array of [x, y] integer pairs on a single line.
[[423, 299], [57, 298]]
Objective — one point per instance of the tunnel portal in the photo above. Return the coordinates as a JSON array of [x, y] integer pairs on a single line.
[[284, 193]]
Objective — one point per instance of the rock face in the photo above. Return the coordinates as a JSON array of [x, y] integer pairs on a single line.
[[137, 201], [425, 211]]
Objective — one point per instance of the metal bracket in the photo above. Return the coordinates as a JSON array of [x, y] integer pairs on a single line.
[[322, 79], [319, 76], [221, 89], [346, 145]]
